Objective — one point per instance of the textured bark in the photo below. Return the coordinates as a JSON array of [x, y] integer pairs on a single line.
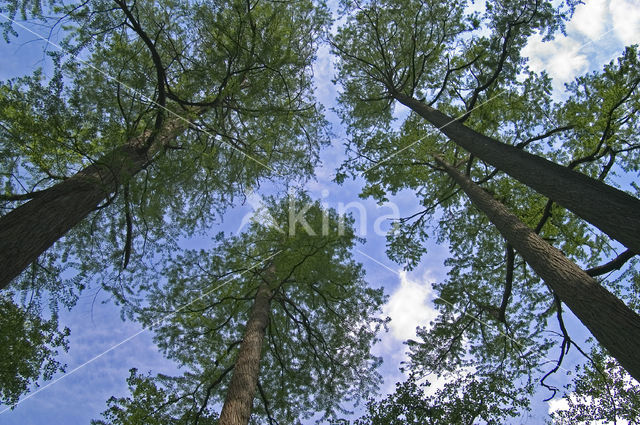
[[611, 210], [242, 388], [30, 229], [611, 322]]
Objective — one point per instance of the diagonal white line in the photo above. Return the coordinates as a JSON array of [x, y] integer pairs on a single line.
[[134, 91], [129, 338], [471, 110]]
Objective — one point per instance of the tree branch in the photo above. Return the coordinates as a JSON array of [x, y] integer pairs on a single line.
[[265, 402], [508, 284], [615, 264]]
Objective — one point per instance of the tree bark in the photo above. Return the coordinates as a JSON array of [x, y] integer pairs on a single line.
[[242, 388], [611, 210], [611, 322], [30, 229]]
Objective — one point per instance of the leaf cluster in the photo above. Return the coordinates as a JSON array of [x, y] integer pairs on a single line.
[[28, 348]]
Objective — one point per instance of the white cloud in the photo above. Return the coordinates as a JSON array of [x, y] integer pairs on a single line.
[[589, 19], [597, 29], [323, 71], [626, 20], [559, 404], [561, 58], [409, 307]]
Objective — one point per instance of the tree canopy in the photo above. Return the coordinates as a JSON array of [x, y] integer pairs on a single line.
[[157, 116], [323, 320], [495, 314], [30, 345], [220, 100]]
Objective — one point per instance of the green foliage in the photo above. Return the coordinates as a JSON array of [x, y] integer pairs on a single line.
[[240, 72], [602, 392], [323, 320], [601, 109], [494, 317], [35, 132], [28, 347], [153, 405], [463, 401], [24, 9]]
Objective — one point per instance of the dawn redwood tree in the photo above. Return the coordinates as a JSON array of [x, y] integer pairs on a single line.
[[283, 308], [238, 401], [614, 325], [437, 60], [187, 104], [468, 345], [174, 111], [493, 311]]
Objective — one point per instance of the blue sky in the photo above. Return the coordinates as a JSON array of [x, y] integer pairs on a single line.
[[596, 35]]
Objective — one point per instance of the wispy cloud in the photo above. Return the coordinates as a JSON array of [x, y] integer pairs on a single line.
[[561, 58], [590, 19], [597, 34], [626, 18]]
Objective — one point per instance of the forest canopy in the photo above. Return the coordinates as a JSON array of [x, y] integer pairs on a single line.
[[129, 160]]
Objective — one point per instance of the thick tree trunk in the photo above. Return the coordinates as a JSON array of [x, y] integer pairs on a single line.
[[614, 325], [30, 229], [611, 210], [242, 388]]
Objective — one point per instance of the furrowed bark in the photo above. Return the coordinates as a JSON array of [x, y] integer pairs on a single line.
[[30, 229], [242, 388], [611, 210], [611, 322]]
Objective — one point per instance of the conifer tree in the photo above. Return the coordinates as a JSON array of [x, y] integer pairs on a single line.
[[277, 322]]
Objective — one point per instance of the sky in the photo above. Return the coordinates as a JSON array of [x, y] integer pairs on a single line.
[[103, 348]]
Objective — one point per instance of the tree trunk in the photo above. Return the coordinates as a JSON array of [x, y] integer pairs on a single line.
[[614, 325], [242, 388], [30, 229], [611, 210]]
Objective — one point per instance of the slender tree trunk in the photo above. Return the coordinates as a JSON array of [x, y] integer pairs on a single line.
[[614, 325], [242, 388], [30, 229], [611, 210]]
